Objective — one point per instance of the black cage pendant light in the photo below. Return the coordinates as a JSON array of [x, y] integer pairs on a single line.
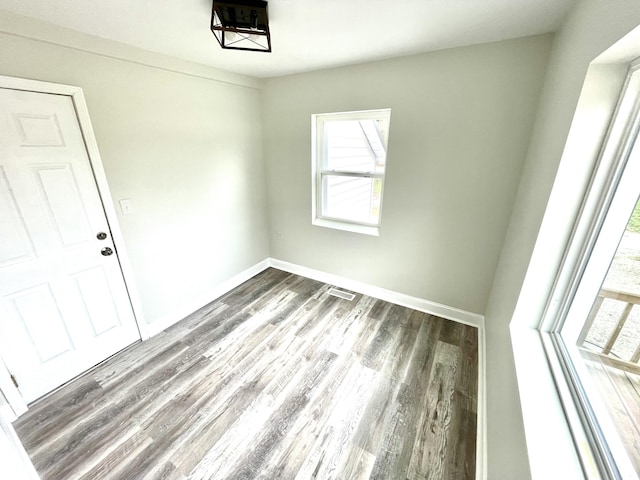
[[241, 25]]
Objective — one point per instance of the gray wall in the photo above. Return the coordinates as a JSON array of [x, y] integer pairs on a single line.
[[186, 150], [592, 26], [460, 126]]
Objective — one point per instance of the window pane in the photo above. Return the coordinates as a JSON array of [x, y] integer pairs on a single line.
[[355, 145], [610, 341], [356, 199]]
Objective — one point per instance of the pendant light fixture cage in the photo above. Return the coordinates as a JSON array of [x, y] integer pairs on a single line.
[[241, 25]]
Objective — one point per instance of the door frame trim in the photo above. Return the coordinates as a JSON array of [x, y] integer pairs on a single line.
[[11, 393]]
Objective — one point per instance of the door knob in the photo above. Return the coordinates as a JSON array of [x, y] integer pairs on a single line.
[[101, 236], [106, 251]]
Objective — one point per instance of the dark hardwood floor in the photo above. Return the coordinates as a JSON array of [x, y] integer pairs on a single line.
[[275, 380]]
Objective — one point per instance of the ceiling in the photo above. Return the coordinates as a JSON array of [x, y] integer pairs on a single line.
[[306, 34]]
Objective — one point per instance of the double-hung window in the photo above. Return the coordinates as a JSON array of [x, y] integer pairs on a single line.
[[349, 163]]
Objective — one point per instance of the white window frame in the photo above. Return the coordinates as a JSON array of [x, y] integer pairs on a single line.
[[607, 206], [319, 170], [562, 439]]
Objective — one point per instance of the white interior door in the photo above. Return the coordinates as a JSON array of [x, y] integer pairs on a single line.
[[64, 306]]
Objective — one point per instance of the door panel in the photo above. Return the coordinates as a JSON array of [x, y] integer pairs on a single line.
[[37, 311], [15, 244], [58, 189], [63, 305], [38, 130], [97, 298]]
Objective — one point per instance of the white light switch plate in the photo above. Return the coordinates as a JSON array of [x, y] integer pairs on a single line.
[[126, 206]]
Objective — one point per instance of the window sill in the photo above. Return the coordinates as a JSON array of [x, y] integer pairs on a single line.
[[347, 227], [550, 443]]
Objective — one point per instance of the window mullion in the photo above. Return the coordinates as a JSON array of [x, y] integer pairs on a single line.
[[343, 173]]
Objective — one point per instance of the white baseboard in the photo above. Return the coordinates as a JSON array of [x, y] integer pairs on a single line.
[[174, 316], [420, 304], [437, 309], [481, 434]]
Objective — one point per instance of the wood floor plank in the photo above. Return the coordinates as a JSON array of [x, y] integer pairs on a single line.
[[310, 316], [178, 330], [392, 459], [429, 457], [254, 324], [269, 436], [212, 406], [342, 337], [97, 433], [357, 463], [403, 353], [323, 460], [418, 372], [76, 425], [299, 440], [378, 412], [277, 379], [380, 309], [305, 290], [110, 460], [256, 287], [250, 421], [467, 378], [385, 342], [451, 332], [46, 418], [279, 337]]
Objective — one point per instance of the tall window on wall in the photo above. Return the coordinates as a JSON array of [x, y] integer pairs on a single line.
[[349, 163], [596, 332]]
